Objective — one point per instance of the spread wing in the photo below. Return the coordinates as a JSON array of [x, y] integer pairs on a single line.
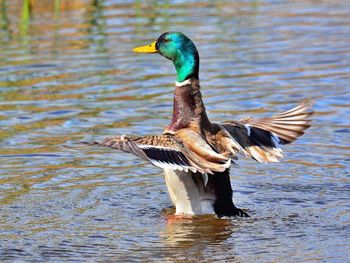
[[260, 138], [164, 151]]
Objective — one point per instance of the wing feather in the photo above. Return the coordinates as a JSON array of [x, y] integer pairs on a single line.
[[164, 151], [288, 125], [260, 138]]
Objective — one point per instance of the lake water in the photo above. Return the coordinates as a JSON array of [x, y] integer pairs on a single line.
[[67, 74]]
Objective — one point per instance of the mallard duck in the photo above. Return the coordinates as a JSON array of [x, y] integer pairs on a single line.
[[195, 153]]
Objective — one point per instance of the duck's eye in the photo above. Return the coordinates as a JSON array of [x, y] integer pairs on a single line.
[[166, 40]]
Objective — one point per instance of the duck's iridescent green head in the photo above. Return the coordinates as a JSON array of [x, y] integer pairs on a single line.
[[178, 48]]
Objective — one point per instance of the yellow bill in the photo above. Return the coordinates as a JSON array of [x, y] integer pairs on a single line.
[[151, 48]]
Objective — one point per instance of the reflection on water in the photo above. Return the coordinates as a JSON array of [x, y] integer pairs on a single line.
[[193, 236], [67, 74]]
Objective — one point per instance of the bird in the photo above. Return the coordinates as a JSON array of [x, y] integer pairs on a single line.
[[197, 154]]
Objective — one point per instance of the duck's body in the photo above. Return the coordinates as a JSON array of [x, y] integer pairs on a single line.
[[196, 154]]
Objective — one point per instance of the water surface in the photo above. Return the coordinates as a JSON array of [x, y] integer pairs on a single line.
[[67, 74]]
